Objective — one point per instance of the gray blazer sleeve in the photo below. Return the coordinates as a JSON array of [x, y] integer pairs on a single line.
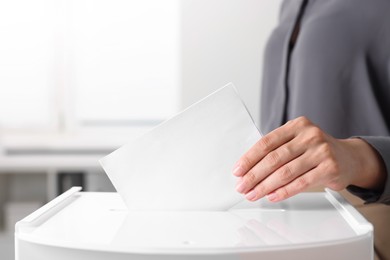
[[382, 145]]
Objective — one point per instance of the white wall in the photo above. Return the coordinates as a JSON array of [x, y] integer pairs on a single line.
[[222, 41]]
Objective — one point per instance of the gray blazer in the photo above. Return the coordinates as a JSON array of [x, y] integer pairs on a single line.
[[336, 73]]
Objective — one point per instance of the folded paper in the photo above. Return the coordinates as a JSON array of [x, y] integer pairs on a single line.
[[186, 162]]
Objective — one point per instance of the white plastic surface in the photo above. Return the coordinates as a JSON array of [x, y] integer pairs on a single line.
[[98, 226]]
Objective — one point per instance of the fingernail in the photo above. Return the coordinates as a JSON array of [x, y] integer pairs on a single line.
[[239, 180], [237, 170], [272, 196], [240, 187], [251, 195]]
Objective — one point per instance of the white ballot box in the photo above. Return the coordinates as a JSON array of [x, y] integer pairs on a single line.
[[96, 225]]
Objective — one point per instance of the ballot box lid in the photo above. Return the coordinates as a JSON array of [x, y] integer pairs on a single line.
[[100, 221]]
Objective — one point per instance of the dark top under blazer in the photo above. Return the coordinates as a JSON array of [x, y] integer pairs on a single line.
[[337, 74]]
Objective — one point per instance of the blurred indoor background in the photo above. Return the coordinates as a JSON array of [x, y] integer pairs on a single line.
[[79, 78]]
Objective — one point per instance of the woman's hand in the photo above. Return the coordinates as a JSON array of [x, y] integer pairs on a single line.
[[298, 156]]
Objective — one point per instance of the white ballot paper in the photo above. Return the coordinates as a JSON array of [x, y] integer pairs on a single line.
[[186, 162]]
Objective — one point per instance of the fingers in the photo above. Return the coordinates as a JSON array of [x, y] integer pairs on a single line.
[[263, 147], [298, 185], [269, 164], [284, 175], [287, 161]]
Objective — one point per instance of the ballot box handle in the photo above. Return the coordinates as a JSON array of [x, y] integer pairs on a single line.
[[48, 209], [349, 213]]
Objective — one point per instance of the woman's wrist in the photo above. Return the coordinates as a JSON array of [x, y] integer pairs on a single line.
[[370, 172]]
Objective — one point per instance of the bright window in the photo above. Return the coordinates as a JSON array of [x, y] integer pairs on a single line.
[[76, 63]]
